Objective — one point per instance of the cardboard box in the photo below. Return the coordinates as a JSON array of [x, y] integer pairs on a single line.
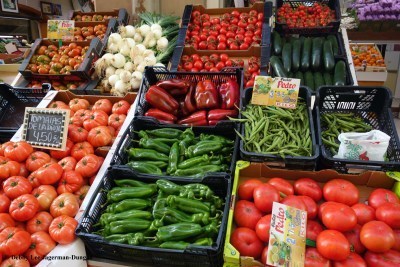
[[365, 182]]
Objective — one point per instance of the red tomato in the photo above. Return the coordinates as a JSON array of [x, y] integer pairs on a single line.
[[36, 160], [6, 221], [4, 145], [246, 214], [264, 256], [68, 163], [354, 260], [23, 171], [246, 189], [121, 107], [397, 240], [262, 228], [76, 133], [40, 222], [246, 242], [88, 166], [312, 208], [14, 241], [79, 150], [19, 261], [9, 167], [41, 245], [58, 105], [99, 136], [59, 154], [45, 194], [80, 116], [308, 187], [4, 203], [342, 191], [116, 120], [264, 195], [380, 196], [313, 229], [333, 245], [315, 259], [97, 118], [24, 207], [390, 214], [390, 258], [81, 193], [104, 105], [18, 151], [364, 213], [377, 236], [78, 103], [64, 204], [294, 201], [62, 229], [70, 182], [282, 185], [49, 173], [339, 217], [16, 186], [353, 236]]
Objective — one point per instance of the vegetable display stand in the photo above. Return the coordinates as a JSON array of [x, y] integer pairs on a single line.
[[332, 26], [14, 100], [373, 106], [121, 15], [130, 139], [152, 75], [365, 183], [274, 159], [84, 70], [193, 255]]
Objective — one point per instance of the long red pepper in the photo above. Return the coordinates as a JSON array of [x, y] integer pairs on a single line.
[[159, 98]]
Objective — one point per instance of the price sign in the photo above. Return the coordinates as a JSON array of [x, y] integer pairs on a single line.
[[60, 29], [46, 128]]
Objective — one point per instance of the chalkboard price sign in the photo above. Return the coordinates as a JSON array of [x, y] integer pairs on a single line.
[[46, 128]]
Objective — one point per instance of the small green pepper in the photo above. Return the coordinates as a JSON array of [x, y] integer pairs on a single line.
[[157, 223], [198, 171], [117, 194], [147, 154], [165, 133], [198, 190], [188, 205], [126, 226], [183, 146], [106, 218], [128, 204], [181, 245], [168, 187], [172, 215], [158, 163], [178, 231], [132, 183], [143, 167], [131, 238], [192, 162], [153, 144], [203, 147], [187, 134], [173, 158], [211, 230], [211, 137], [205, 241]]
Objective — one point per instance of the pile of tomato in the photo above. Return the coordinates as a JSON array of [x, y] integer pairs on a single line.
[[346, 231], [41, 190], [89, 32], [232, 31], [303, 16], [57, 85], [95, 17], [216, 62], [53, 60]]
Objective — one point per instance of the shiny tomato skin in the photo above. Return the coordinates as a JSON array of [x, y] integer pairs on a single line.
[[262, 228], [68, 163], [246, 214], [308, 187], [99, 136], [364, 213], [6, 221], [333, 245], [264, 195], [49, 173], [377, 236], [314, 259], [390, 258], [40, 222], [19, 261], [246, 189], [104, 105], [14, 241], [24, 207], [282, 185], [390, 214], [64, 204], [121, 107], [62, 229], [70, 182], [313, 229], [45, 194], [88, 166], [246, 242], [312, 208], [18, 151], [36, 160], [380, 196], [16, 186], [353, 236], [342, 191], [397, 240], [353, 260], [41, 245], [294, 201], [79, 150], [4, 203], [339, 217], [59, 154]]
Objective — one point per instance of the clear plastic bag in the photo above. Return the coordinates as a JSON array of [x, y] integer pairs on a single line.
[[363, 146]]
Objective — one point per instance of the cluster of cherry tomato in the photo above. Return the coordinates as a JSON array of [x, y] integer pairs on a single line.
[[216, 62], [347, 232], [89, 32], [231, 31], [95, 17], [57, 85], [53, 60], [302, 16], [41, 190]]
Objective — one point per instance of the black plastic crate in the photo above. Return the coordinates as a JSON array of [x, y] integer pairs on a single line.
[[373, 105], [13, 102], [152, 75], [130, 137], [333, 26], [111, 28], [6, 135], [23, 83], [289, 162], [98, 247]]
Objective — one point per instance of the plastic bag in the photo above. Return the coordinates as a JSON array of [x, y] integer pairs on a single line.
[[363, 146]]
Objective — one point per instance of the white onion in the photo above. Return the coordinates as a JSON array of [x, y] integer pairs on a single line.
[[156, 26], [113, 79], [108, 57], [130, 31], [149, 38], [157, 34], [118, 61], [137, 75], [131, 42], [99, 66], [148, 53], [124, 48], [112, 48], [125, 76], [129, 66], [138, 37], [115, 38], [144, 29], [110, 70], [138, 59], [118, 71], [141, 67], [152, 43], [121, 87], [105, 84], [122, 31], [150, 61], [162, 44], [135, 84], [140, 49]]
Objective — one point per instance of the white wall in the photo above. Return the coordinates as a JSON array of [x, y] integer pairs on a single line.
[[65, 5]]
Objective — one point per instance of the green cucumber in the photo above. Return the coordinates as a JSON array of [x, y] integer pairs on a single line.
[[309, 80], [299, 75], [296, 51], [339, 77], [306, 54], [318, 80], [329, 60], [287, 56], [276, 43], [292, 39], [277, 66], [316, 54], [327, 78], [335, 45]]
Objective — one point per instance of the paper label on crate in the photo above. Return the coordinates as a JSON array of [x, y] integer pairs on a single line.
[[60, 29], [278, 92], [287, 242]]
